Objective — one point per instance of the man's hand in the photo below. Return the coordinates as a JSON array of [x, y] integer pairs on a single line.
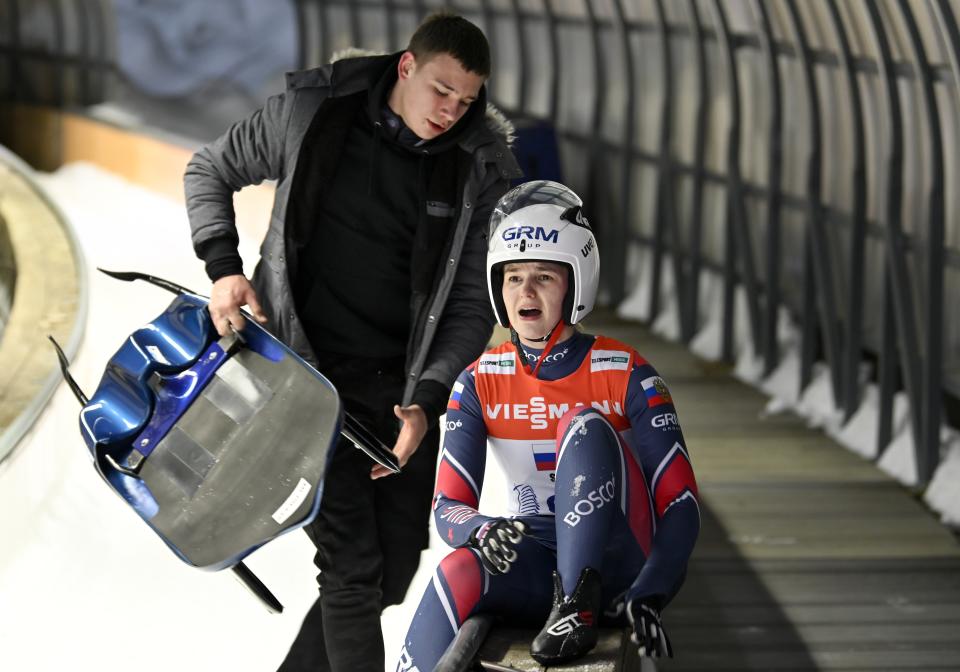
[[412, 431], [229, 293], [497, 542], [648, 633]]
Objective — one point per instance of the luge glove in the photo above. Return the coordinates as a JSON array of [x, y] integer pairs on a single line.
[[648, 632], [497, 542]]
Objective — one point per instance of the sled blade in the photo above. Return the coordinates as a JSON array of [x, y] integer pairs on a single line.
[[130, 276], [67, 376], [257, 587], [364, 440]]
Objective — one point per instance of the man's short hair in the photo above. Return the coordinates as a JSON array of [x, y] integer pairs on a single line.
[[445, 33]]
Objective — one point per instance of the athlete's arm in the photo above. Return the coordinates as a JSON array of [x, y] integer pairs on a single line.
[[462, 461], [663, 456]]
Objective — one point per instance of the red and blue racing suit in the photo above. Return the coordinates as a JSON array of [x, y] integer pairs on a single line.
[[598, 471]]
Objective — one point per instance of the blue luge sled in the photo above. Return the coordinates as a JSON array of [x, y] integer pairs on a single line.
[[220, 445]]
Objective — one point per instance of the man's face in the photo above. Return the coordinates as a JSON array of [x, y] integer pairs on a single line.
[[533, 294], [431, 95]]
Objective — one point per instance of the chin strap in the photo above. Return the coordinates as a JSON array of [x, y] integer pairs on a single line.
[[551, 338], [545, 337]]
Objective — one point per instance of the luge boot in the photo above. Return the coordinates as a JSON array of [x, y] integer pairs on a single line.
[[571, 628]]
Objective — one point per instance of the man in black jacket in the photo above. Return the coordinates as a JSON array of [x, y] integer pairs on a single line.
[[387, 168]]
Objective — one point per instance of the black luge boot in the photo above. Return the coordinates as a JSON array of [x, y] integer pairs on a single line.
[[571, 628]]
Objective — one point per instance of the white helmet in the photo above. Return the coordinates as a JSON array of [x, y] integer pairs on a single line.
[[542, 221]]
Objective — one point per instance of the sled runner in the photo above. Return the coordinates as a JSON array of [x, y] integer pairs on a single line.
[[461, 654], [484, 644], [220, 444]]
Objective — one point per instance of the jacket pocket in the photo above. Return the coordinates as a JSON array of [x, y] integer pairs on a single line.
[[439, 209]]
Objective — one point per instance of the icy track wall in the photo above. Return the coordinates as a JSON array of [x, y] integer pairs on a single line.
[[42, 294], [8, 275]]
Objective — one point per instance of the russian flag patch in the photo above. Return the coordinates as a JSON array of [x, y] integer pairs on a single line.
[[656, 391], [545, 456], [455, 393]]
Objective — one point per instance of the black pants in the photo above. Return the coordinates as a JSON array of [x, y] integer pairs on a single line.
[[368, 534]]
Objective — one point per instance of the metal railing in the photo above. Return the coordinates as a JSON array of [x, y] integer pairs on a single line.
[[74, 65]]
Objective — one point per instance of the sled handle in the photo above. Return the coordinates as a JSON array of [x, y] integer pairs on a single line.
[[65, 372], [130, 276]]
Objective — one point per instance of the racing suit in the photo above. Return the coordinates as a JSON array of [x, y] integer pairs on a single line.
[[598, 471]]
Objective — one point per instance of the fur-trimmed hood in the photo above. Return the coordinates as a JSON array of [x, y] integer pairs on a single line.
[[496, 120]]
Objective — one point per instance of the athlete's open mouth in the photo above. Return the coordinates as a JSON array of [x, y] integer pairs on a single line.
[[530, 312]]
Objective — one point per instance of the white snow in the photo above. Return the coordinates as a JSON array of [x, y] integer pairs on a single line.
[[783, 383], [899, 460], [636, 306], [816, 400], [943, 494]]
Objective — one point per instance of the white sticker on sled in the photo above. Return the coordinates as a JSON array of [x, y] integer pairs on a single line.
[[292, 502]]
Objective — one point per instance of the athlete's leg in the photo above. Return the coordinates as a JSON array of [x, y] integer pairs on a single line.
[[461, 588], [590, 491], [597, 551]]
